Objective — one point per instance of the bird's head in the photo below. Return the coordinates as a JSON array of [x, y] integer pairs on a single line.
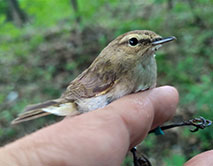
[[127, 50], [135, 45]]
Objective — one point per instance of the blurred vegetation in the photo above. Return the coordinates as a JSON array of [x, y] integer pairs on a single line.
[[45, 44]]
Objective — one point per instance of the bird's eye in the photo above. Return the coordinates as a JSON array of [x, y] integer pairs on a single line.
[[133, 41]]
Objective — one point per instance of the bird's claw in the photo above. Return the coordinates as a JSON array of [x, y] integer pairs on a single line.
[[199, 123], [139, 161]]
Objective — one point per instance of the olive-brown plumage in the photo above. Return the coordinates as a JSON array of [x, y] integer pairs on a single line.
[[126, 65]]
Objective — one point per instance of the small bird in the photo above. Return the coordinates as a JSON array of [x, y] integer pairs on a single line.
[[126, 65]]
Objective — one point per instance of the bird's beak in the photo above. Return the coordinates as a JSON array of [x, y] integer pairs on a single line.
[[163, 40]]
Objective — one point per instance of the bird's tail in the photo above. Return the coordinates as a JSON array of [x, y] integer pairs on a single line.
[[58, 107]]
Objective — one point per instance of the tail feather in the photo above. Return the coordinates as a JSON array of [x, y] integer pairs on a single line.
[[42, 105], [29, 116], [57, 107]]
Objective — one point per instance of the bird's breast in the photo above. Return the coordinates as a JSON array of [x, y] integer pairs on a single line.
[[145, 74]]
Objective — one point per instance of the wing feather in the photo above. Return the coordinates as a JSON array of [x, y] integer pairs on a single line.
[[90, 83]]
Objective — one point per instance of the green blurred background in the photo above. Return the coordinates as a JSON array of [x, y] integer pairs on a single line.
[[44, 44]]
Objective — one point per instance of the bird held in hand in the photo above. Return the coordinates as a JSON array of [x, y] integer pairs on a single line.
[[127, 65]]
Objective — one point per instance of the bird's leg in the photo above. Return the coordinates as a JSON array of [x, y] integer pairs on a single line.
[[135, 158], [139, 161], [198, 123]]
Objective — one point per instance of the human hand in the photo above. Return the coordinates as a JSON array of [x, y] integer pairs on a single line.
[[101, 137], [203, 159]]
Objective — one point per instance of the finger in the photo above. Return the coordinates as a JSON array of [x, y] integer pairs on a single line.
[[143, 111], [203, 159], [164, 104]]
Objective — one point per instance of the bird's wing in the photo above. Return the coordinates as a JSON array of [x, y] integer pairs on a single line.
[[90, 84]]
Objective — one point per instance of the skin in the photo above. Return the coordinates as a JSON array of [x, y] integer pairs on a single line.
[[203, 159], [101, 137]]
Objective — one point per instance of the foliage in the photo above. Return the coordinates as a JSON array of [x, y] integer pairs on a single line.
[[38, 60], [176, 160]]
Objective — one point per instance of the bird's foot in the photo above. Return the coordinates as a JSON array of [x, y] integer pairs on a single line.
[[139, 161], [198, 123]]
